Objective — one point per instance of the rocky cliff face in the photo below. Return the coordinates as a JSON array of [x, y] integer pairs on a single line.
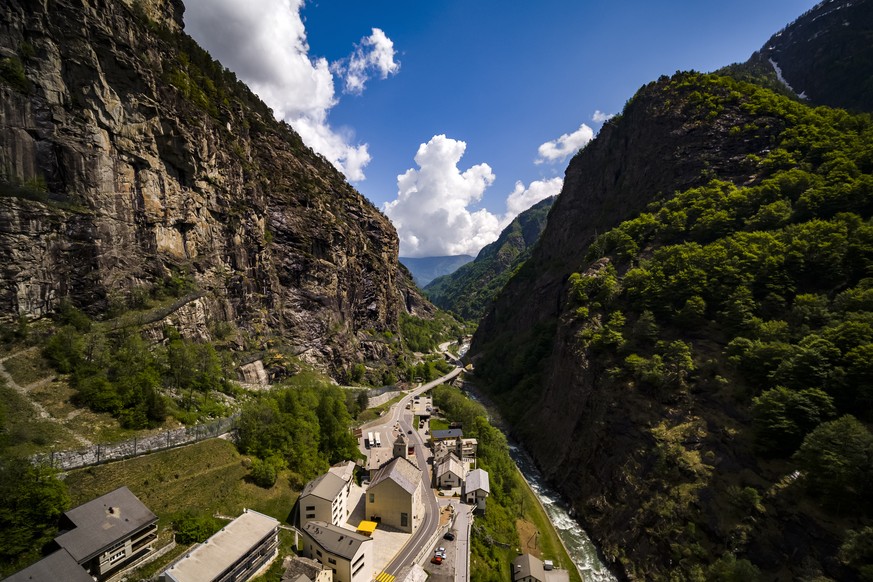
[[129, 157]]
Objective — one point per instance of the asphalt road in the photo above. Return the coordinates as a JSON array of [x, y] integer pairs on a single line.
[[430, 521]]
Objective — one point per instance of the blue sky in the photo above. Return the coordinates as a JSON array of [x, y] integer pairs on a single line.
[[458, 97]]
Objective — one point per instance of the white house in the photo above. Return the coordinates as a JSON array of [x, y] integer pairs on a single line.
[[449, 472], [476, 488], [326, 498]]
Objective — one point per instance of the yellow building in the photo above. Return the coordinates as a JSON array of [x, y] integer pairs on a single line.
[[395, 495]]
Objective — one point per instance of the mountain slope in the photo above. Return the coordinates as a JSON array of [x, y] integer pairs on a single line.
[[825, 54], [131, 158], [426, 269], [469, 290], [682, 327]]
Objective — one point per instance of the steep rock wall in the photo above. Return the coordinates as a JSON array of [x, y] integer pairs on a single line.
[[117, 174]]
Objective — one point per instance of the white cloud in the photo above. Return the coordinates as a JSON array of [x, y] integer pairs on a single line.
[[374, 54], [601, 117], [523, 198], [569, 143], [432, 211], [264, 43]]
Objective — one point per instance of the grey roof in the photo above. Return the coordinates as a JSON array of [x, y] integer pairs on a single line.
[[334, 539], [297, 566], [528, 565], [103, 522], [210, 559], [450, 464], [59, 565], [401, 471], [451, 433], [477, 479], [345, 470], [327, 486]]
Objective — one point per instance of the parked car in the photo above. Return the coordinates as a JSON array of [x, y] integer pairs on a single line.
[[449, 536], [436, 560], [409, 432]]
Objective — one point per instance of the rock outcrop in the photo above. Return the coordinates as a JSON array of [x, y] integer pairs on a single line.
[[129, 158]]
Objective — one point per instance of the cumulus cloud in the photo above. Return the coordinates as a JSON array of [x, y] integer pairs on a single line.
[[264, 43], [373, 55], [601, 117], [523, 197], [568, 144], [432, 211]]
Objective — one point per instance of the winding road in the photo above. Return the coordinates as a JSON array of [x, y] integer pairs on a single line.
[[398, 414]]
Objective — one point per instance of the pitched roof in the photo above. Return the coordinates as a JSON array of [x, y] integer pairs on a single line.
[[334, 539], [401, 471], [451, 433], [103, 522], [59, 565], [528, 565], [450, 464], [327, 486], [345, 470], [207, 561], [477, 479]]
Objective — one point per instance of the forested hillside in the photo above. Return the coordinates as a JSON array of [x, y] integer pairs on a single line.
[[469, 291], [704, 365]]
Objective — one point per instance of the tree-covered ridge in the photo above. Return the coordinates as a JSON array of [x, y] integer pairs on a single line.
[[755, 297], [469, 291]]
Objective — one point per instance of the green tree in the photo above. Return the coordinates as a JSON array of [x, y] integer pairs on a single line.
[[837, 458], [192, 527], [782, 417], [32, 500]]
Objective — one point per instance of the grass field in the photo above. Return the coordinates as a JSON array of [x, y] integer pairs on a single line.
[[28, 367], [546, 544], [207, 477], [26, 433], [438, 424]]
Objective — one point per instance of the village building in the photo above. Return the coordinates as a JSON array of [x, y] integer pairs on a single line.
[[449, 434], [450, 472], [300, 569], [466, 448], [528, 568], [395, 495], [476, 488], [109, 533], [326, 498], [234, 554], [347, 554], [97, 540], [58, 565]]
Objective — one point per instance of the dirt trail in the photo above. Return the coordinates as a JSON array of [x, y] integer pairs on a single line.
[[40, 410]]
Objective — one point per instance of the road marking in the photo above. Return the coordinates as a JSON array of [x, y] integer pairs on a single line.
[[384, 577]]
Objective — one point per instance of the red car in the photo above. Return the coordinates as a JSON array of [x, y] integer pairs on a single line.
[[437, 560]]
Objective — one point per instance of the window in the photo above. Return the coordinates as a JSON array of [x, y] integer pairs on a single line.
[[318, 552], [404, 519], [310, 508], [117, 555], [331, 561], [372, 498], [310, 516]]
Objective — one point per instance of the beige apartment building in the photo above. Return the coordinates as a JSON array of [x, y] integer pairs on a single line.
[[326, 498], [395, 495], [348, 554]]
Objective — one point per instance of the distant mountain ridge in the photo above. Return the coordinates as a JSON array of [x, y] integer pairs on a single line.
[[426, 269], [469, 291]]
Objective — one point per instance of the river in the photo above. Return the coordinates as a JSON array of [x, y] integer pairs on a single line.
[[577, 542], [580, 547]]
